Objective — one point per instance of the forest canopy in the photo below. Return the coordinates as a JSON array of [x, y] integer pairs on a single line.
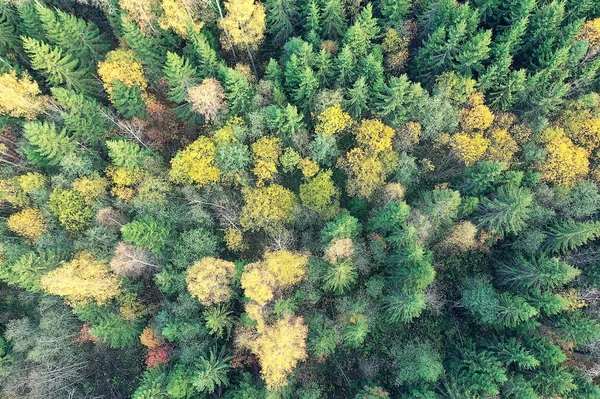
[[300, 199]]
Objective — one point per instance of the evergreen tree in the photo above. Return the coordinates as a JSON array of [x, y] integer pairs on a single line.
[[569, 235], [47, 145], [128, 101], [150, 52], [356, 98], [281, 19], [395, 100], [507, 211], [333, 21], [536, 274], [59, 70]]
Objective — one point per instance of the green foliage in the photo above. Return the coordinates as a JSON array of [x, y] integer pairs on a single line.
[[570, 235], [146, 233], [128, 101], [116, 332], [211, 372], [416, 362], [125, 154], [507, 211], [48, 146]]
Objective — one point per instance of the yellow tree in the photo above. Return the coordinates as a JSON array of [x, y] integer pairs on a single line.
[[265, 155], [591, 32], [121, 65], [180, 15], [258, 283], [333, 121], [279, 348], [373, 135], [320, 195], [565, 164], [268, 208], [209, 280], [82, 280], [287, 267], [502, 147], [366, 172], [469, 148], [142, 11], [244, 25], [28, 223], [20, 97], [477, 116], [196, 164], [208, 99]]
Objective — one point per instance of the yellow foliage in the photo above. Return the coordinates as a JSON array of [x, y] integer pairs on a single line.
[[267, 208], [177, 17], [150, 338], [462, 237], [209, 280], [477, 116], [234, 240], [31, 182], [258, 283], [565, 164], [409, 135], [320, 195], [124, 193], [28, 223], [375, 136], [574, 299], [257, 313], [366, 173], [308, 167], [469, 149], [141, 11], [584, 133], [289, 160], [82, 280], [196, 164], [279, 349], [91, 188], [333, 121], [502, 147], [11, 192], [130, 307], [124, 177], [244, 23], [265, 154], [591, 32], [20, 97], [287, 267], [121, 65]]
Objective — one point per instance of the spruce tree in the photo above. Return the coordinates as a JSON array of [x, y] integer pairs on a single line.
[[507, 211], [356, 98], [59, 70], [569, 235], [281, 19], [48, 146], [333, 22]]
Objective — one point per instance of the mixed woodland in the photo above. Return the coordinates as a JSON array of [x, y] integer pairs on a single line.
[[301, 199]]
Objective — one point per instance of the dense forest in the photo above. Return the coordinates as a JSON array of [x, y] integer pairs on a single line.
[[299, 199]]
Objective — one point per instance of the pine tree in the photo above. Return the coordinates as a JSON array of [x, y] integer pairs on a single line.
[[59, 70], [85, 119], [128, 101], [312, 22], [72, 35], [506, 212], [535, 274], [395, 100], [48, 146], [30, 24], [150, 51], [324, 68], [404, 306], [566, 236], [212, 372], [281, 19], [146, 233], [203, 56], [238, 91], [356, 98], [117, 333], [333, 21]]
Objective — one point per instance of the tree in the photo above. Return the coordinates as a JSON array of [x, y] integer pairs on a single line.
[[279, 349], [565, 164], [569, 235], [150, 52], [146, 233], [506, 212], [536, 274], [211, 372], [196, 163], [82, 39], [416, 362], [27, 270], [28, 223], [71, 209], [125, 154], [131, 261], [321, 195], [48, 147], [281, 19], [20, 97], [208, 99], [333, 121], [333, 23], [265, 156], [356, 98], [180, 76], [142, 12], [287, 267], [244, 25], [59, 70], [339, 277], [238, 91], [121, 65], [268, 208], [209, 280], [128, 101], [395, 100], [82, 280]]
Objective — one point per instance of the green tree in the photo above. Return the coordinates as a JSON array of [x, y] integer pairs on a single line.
[[128, 101], [356, 98], [146, 233], [281, 19], [116, 332], [180, 76], [507, 211], [47, 145], [536, 274], [333, 21], [59, 70], [212, 372], [569, 235], [416, 362]]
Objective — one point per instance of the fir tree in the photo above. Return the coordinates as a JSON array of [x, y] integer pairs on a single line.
[[48, 146], [128, 101], [281, 19], [333, 21], [569, 235], [356, 98]]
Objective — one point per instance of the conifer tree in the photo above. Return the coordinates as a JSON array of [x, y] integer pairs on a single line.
[[569, 235], [128, 101], [281, 19], [506, 212], [356, 98], [333, 20], [59, 70], [48, 146]]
